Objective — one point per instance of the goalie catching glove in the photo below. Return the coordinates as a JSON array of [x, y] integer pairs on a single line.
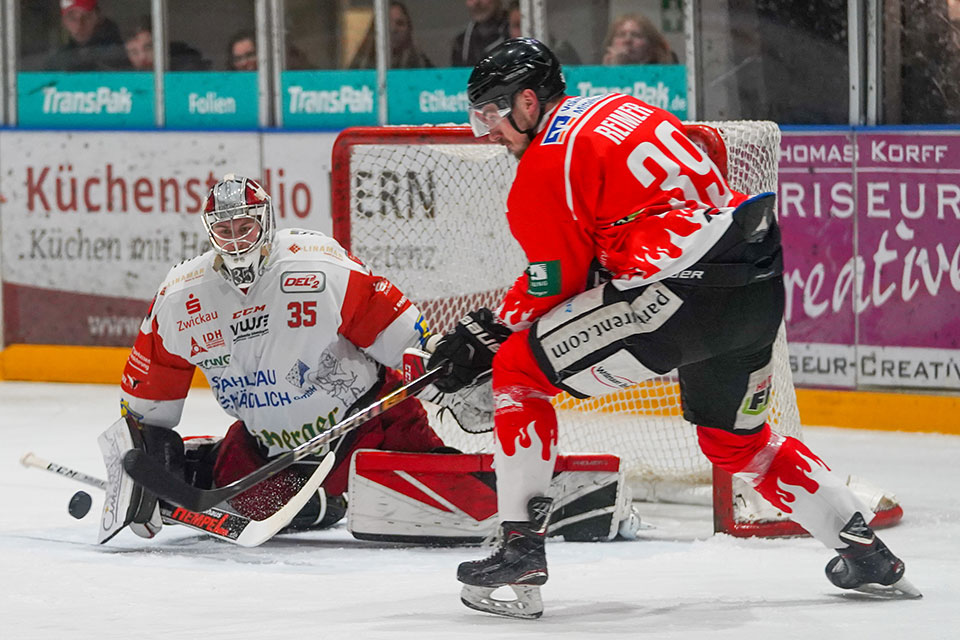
[[468, 350]]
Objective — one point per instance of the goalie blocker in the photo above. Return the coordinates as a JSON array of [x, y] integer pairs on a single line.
[[451, 499]]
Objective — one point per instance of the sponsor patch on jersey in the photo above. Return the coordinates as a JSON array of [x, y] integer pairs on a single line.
[[566, 115], [215, 363], [558, 129], [250, 327], [303, 281], [196, 320], [297, 375], [543, 278], [195, 348], [249, 311], [193, 305], [213, 339]]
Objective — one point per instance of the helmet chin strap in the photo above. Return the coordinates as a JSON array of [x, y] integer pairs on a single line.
[[531, 133]]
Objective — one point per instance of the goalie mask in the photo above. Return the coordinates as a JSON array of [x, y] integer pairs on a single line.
[[238, 217]]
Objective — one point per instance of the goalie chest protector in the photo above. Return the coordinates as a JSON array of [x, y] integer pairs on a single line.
[[452, 498]]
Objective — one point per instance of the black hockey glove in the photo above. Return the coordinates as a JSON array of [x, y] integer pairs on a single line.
[[469, 350]]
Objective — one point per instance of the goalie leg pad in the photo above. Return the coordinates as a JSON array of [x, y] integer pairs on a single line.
[[451, 499]]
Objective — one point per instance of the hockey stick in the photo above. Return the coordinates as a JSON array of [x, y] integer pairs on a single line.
[[220, 524], [151, 473], [29, 459]]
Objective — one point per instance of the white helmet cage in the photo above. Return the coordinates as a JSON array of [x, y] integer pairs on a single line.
[[236, 197]]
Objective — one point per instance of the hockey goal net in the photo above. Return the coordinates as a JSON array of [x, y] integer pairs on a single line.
[[424, 207]]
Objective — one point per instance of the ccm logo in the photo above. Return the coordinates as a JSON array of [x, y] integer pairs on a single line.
[[690, 274], [302, 281], [245, 312]]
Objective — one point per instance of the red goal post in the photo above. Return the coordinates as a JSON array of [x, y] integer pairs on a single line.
[[424, 207]]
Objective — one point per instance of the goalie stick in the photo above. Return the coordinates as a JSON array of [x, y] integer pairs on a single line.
[[151, 473], [215, 522]]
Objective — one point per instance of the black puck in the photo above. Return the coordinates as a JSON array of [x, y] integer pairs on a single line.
[[80, 504]]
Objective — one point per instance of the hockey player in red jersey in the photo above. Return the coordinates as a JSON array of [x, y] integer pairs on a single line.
[[642, 260], [292, 332]]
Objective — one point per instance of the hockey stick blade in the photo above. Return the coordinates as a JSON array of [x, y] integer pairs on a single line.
[[216, 523], [154, 476]]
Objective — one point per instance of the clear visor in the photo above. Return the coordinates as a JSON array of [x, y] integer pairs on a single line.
[[484, 117], [236, 235]]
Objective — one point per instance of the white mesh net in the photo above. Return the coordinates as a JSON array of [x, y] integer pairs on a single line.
[[430, 217]]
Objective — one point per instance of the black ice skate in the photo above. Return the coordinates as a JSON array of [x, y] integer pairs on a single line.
[[867, 565], [519, 562]]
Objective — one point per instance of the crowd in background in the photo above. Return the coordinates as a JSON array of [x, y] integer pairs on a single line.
[[786, 61], [91, 40]]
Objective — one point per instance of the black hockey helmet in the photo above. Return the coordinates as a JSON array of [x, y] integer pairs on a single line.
[[512, 66]]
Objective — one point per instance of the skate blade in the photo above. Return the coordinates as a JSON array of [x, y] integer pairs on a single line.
[[902, 589], [526, 605]]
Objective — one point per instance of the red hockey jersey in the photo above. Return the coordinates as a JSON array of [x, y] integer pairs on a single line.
[[614, 179]]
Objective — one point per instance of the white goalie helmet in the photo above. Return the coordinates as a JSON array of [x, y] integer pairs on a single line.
[[238, 216]]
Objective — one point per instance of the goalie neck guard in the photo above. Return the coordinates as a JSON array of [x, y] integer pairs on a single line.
[[238, 216]]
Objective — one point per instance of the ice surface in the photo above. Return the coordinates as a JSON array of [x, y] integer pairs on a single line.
[[58, 583]]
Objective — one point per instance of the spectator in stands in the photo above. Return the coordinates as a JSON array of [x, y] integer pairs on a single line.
[[487, 28], [242, 52], [93, 42], [404, 53], [563, 49], [633, 39], [138, 42]]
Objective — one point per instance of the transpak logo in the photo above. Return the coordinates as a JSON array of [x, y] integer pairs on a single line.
[[543, 278]]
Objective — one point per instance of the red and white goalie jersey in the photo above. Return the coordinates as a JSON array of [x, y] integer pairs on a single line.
[[290, 358], [613, 179]]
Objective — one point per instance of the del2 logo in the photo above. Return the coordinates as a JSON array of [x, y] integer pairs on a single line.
[[303, 281]]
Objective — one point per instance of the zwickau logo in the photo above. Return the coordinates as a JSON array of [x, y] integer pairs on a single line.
[[303, 281]]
